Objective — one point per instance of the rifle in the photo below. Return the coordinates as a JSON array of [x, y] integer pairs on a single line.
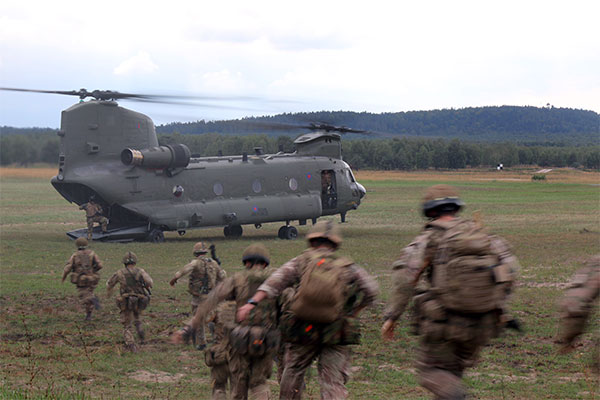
[[213, 254]]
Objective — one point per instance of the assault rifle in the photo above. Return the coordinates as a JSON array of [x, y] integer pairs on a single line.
[[213, 254]]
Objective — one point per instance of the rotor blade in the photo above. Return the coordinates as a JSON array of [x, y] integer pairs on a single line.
[[71, 92], [188, 103]]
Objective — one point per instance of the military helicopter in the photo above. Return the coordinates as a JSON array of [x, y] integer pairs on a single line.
[[112, 154]]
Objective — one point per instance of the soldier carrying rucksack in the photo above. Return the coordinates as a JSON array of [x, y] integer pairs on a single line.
[[319, 321], [205, 273], [134, 297], [84, 266], [460, 278]]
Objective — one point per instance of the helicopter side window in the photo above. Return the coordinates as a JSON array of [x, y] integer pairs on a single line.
[[293, 183], [218, 189], [256, 186], [328, 189], [350, 176]]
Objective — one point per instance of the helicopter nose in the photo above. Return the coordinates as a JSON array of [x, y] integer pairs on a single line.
[[361, 190]]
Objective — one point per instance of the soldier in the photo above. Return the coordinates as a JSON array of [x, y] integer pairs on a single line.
[[254, 342], [460, 278], [134, 284], [320, 321], [93, 213], [205, 274], [216, 356], [577, 304], [83, 266]]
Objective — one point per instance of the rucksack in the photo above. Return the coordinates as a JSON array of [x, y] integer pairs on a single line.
[[321, 295], [204, 279], [468, 274]]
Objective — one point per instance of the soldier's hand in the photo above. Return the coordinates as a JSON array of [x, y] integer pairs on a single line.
[[173, 281], [387, 330], [243, 312], [182, 336]]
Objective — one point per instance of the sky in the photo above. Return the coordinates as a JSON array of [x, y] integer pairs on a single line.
[[268, 57]]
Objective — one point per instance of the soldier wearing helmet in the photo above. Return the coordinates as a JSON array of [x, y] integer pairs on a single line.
[[134, 297], [309, 333], [205, 273], [251, 345], [458, 251], [93, 213], [83, 266]]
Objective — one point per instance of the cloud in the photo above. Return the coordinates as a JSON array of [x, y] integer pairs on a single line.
[[140, 63]]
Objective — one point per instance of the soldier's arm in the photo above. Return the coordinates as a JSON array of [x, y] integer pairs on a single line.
[[366, 285], [182, 272], [285, 276], [221, 274], [110, 284], [96, 262], [68, 268], [223, 291], [147, 279]]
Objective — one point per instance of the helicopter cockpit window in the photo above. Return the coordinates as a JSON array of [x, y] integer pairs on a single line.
[[293, 183], [350, 176], [218, 189], [328, 189], [256, 186]]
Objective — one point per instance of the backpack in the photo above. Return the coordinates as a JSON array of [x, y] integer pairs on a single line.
[[204, 278], [468, 274], [321, 295]]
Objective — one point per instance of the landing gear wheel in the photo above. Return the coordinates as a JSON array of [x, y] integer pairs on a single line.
[[287, 232], [156, 236], [234, 231]]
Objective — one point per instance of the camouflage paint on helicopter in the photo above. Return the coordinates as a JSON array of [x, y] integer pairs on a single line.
[[113, 153]]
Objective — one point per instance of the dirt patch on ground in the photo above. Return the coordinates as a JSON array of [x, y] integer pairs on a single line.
[[27, 172], [155, 376]]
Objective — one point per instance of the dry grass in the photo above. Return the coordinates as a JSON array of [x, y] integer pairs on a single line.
[[11, 172]]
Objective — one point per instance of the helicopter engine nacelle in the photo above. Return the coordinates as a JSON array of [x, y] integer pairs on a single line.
[[170, 156]]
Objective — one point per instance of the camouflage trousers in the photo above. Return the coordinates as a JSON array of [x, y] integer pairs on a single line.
[[200, 338], [249, 375], [219, 375], [129, 318], [333, 368], [86, 297], [103, 221], [447, 348]]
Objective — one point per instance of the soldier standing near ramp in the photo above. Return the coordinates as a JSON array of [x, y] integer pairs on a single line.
[[460, 278], [93, 213], [577, 306], [320, 321], [205, 274], [254, 342], [134, 284], [83, 266]]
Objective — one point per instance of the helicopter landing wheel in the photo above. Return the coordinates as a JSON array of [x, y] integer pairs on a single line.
[[287, 232], [234, 231], [156, 236]]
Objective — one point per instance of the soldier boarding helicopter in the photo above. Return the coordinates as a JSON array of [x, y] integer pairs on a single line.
[[112, 154]]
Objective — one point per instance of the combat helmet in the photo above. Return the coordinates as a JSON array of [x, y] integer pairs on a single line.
[[81, 242], [200, 248], [325, 230], [256, 252], [440, 198], [129, 258]]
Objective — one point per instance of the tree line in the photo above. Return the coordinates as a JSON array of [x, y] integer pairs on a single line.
[[385, 154]]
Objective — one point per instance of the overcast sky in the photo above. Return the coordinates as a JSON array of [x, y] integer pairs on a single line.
[[377, 56]]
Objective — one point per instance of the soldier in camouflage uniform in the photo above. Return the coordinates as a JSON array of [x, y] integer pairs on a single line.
[[93, 213], [134, 297], [217, 355], [577, 306], [205, 274], [83, 266], [450, 339], [307, 339], [254, 342]]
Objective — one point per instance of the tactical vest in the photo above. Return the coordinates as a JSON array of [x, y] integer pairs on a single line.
[[83, 274], [133, 293], [203, 277]]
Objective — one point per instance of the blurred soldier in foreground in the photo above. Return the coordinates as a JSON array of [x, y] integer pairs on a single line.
[[460, 278], [83, 266], [320, 321], [93, 213], [576, 306], [134, 297], [205, 274], [216, 356], [253, 342]]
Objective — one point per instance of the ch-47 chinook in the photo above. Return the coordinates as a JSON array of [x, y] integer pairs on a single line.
[[112, 153]]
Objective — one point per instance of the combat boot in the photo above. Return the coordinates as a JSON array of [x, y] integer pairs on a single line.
[[88, 316], [131, 347], [96, 303], [140, 332]]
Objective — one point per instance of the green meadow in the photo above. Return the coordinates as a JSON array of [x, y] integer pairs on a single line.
[[48, 351]]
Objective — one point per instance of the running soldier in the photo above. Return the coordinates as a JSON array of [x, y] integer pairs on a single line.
[[321, 319], [93, 213], [83, 266], [216, 356], [460, 278], [205, 274], [577, 306], [254, 342], [134, 284]]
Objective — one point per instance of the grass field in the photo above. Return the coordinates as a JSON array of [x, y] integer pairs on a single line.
[[47, 351]]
